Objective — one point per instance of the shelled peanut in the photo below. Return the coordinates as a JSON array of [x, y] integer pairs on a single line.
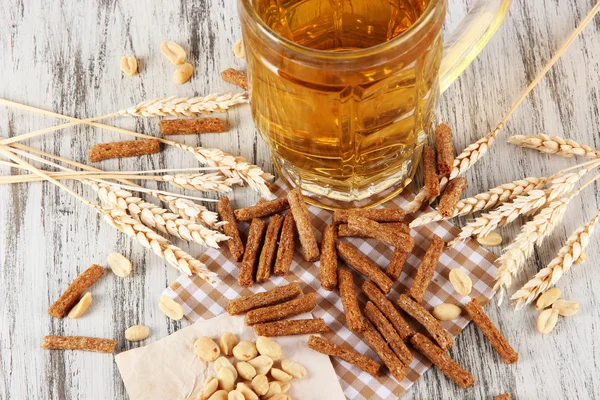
[[255, 374]]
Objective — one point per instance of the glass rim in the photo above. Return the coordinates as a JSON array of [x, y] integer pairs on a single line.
[[421, 23]]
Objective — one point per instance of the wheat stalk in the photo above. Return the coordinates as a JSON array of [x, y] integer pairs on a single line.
[[150, 239], [486, 200], [237, 167], [554, 145], [174, 256], [186, 106], [548, 276], [473, 152], [184, 207], [213, 182], [153, 108], [156, 217], [521, 205], [465, 160], [98, 178], [532, 233], [417, 202]]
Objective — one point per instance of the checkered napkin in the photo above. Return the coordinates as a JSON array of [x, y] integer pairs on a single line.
[[203, 301]]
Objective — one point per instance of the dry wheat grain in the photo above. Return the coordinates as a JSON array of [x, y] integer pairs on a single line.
[[235, 167], [561, 264], [486, 200], [213, 182], [521, 205], [156, 217], [186, 106], [174, 256], [532, 233], [193, 211], [554, 145]]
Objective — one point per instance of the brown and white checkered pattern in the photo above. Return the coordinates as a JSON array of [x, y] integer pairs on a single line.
[[201, 300]]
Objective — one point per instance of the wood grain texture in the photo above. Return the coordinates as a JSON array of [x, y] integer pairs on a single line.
[[66, 58]]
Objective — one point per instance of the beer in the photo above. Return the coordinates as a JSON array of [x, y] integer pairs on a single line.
[[344, 114]]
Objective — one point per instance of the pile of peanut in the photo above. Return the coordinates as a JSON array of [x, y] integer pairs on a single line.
[[551, 306], [254, 374]]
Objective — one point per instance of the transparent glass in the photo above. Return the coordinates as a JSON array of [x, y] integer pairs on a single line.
[[344, 91]]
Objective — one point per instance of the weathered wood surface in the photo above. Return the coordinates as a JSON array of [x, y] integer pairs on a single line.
[[65, 57]]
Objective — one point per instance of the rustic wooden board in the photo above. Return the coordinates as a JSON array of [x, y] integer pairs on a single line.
[[65, 57]]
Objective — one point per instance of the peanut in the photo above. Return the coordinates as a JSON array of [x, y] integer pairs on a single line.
[[223, 362], [446, 312], [547, 320], [136, 333], [246, 391], [119, 265], [206, 349], [460, 281], [547, 298], [279, 396], [491, 239], [262, 364], [174, 52], [293, 368], [566, 308], [280, 375], [219, 395], [245, 370], [183, 73], [81, 307], [285, 386], [129, 65], [211, 384], [170, 308], [245, 351], [228, 341], [274, 389], [226, 379], [238, 49], [235, 395], [260, 384], [268, 347]]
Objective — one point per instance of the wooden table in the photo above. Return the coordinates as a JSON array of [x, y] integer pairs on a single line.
[[66, 58]]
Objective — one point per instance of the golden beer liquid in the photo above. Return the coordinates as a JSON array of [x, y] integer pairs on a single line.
[[351, 131]]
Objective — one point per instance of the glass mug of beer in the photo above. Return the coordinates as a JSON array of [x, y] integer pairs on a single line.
[[344, 91]]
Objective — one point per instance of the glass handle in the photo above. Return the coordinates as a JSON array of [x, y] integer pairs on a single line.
[[470, 37]]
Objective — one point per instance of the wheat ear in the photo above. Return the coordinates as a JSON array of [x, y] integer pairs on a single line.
[[156, 217], [554, 145], [150, 214], [213, 182], [174, 255], [548, 276], [158, 107], [473, 152], [186, 106], [486, 200], [521, 205], [185, 208], [237, 167], [532, 233]]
